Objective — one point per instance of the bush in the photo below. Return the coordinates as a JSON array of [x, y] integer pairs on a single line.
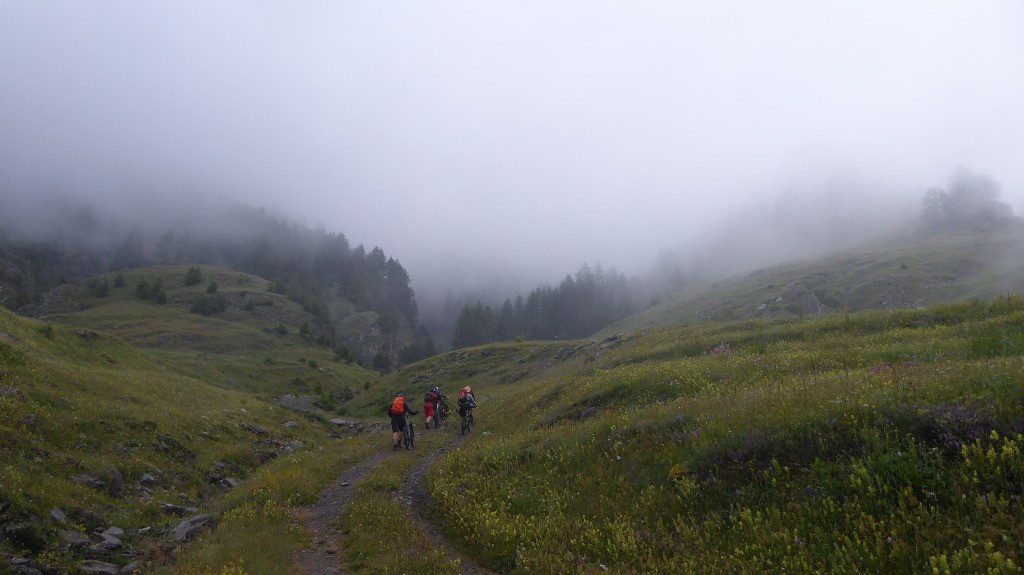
[[119, 281], [210, 304], [193, 276], [212, 288], [99, 287]]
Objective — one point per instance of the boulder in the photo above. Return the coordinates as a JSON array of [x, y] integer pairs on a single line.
[[172, 509], [58, 515], [90, 480], [95, 566], [116, 482], [188, 528]]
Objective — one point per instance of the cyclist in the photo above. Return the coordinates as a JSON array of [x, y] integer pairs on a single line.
[[466, 403], [397, 411], [429, 406], [438, 398]]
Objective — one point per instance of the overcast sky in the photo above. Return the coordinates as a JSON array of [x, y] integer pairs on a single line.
[[538, 134]]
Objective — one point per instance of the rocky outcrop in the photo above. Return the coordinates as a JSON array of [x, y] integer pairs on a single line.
[[796, 299]]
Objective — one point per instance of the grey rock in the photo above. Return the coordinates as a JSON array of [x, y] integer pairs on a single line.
[[172, 509], [147, 480], [188, 528], [89, 479], [341, 422], [114, 531], [290, 424], [4, 505], [58, 515], [74, 538], [95, 566], [116, 482], [133, 567]]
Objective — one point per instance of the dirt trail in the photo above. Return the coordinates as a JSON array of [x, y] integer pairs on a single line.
[[414, 494], [322, 558]]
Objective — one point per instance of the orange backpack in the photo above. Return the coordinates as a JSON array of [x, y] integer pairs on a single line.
[[464, 391], [397, 406]]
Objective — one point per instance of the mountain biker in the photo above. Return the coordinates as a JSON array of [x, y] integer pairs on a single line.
[[438, 397], [429, 406], [397, 411], [466, 402]]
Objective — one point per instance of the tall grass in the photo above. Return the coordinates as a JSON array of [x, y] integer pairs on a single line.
[[875, 442]]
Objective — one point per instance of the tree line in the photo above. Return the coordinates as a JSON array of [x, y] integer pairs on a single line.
[[578, 307]]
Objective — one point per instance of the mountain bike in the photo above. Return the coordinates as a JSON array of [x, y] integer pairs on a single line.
[[409, 437], [467, 421], [440, 414]]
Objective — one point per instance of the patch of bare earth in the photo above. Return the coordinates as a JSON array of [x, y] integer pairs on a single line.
[[321, 520], [415, 495]]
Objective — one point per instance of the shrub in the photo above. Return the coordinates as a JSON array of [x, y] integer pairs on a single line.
[[212, 288], [193, 276], [210, 304]]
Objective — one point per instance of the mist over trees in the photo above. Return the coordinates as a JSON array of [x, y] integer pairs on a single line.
[[971, 201], [580, 306], [318, 270]]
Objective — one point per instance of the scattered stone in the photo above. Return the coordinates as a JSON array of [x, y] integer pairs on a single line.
[[297, 444], [290, 424], [133, 567], [341, 422], [116, 482], [255, 429], [30, 420], [58, 515], [147, 480], [190, 527], [96, 566], [4, 505], [172, 509], [113, 531], [74, 539], [88, 518], [90, 480]]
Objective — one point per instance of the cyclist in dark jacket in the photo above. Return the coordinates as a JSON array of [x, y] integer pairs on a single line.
[[397, 411]]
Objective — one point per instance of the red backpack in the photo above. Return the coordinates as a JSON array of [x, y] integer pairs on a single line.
[[397, 406]]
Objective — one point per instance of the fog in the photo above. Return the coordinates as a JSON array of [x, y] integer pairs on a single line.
[[503, 144]]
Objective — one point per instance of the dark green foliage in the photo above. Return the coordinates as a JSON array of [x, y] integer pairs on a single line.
[[47, 331], [99, 287], [212, 288], [421, 347], [381, 362], [148, 291], [120, 281], [342, 353], [194, 276], [281, 329], [578, 307], [160, 297], [210, 304]]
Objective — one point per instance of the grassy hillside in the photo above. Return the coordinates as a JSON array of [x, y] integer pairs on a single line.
[[914, 270], [881, 441], [115, 406]]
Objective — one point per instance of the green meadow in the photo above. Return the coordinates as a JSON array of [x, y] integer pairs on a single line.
[[868, 442]]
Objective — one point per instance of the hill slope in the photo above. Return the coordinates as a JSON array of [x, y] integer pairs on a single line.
[[882, 441], [124, 412], [917, 269]]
